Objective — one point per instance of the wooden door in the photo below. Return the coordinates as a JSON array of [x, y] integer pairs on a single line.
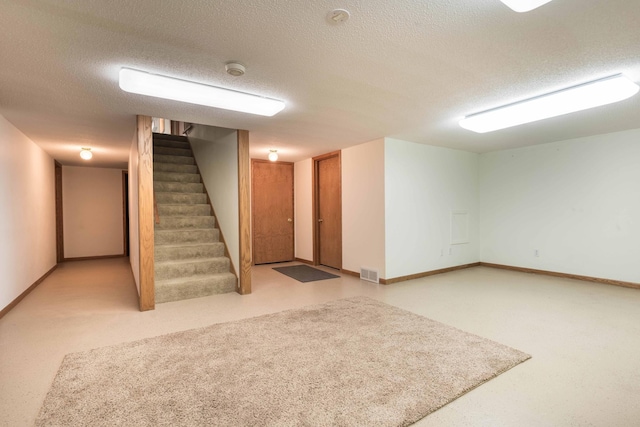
[[272, 211], [328, 191]]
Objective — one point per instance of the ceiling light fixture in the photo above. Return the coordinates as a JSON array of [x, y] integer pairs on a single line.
[[273, 155], [576, 98], [144, 83], [524, 5], [86, 153]]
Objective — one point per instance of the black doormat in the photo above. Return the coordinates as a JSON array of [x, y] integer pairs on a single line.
[[304, 273]]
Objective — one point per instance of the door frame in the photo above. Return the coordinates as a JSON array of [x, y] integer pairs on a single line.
[[59, 213], [293, 204], [125, 212], [316, 205]]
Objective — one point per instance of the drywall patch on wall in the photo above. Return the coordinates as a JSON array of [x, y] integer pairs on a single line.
[[363, 207], [216, 151], [303, 196], [27, 213], [423, 186], [92, 211], [569, 206]]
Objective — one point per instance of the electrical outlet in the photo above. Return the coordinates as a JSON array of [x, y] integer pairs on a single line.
[[450, 251], [536, 253]]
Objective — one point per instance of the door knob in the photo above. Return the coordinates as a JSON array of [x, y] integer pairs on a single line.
[[320, 220], [289, 219]]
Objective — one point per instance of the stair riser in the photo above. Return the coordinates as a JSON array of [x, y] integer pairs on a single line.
[[175, 177], [181, 198], [171, 237], [170, 151], [170, 144], [169, 253], [186, 269], [161, 158], [185, 223], [174, 167], [194, 288], [183, 210]]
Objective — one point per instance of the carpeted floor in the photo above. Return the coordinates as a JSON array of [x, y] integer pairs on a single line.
[[349, 362]]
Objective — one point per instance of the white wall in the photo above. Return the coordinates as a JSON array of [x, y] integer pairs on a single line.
[[577, 202], [27, 213], [303, 196], [216, 151], [92, 211], [423, 185], [363, 207], [134, 236]]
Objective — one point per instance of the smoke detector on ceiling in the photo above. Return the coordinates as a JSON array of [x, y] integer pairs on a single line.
[[338, 16], [235, 69]]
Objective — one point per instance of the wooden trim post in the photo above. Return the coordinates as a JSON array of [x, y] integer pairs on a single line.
[[244, 209], [145, 213]]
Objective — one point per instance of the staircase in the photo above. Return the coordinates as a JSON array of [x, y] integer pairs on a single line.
[[189, 257]]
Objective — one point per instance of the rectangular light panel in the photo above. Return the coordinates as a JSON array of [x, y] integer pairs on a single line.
[[577, 98], [159, 86], [524, 5]]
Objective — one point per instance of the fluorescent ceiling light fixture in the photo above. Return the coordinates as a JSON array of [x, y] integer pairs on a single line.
[[144, 83], [524, 5], [577, 98]]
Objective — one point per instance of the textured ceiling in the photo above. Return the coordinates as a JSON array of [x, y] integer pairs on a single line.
[[404, 68]]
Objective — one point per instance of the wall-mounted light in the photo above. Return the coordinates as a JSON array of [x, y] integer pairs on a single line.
[[576, 98], [86, 153], [144, 83], [273, 155], [524, 5]]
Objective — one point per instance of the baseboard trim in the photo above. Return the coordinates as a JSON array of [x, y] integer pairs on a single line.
[[26, 292], [89, 258], [304, 261], [350, 273], [563, 275], [427, 273]]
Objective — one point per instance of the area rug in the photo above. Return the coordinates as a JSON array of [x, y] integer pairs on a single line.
[[350, 362], [304, 273]]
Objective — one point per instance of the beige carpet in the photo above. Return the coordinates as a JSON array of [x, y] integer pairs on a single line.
[[350, 362]]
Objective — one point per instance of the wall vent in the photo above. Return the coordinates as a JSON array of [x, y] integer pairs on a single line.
[[369, 275]]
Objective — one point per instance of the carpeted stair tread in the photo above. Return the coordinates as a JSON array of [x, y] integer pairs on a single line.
[[178, 187], [170, 144], [190, 267], [186, 222], [163, 158], [188, 251], [169, 237], [181, 198], [174, 167], [194, 286], [175, 177], [168, 210], [168, 137], [172, 151]]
